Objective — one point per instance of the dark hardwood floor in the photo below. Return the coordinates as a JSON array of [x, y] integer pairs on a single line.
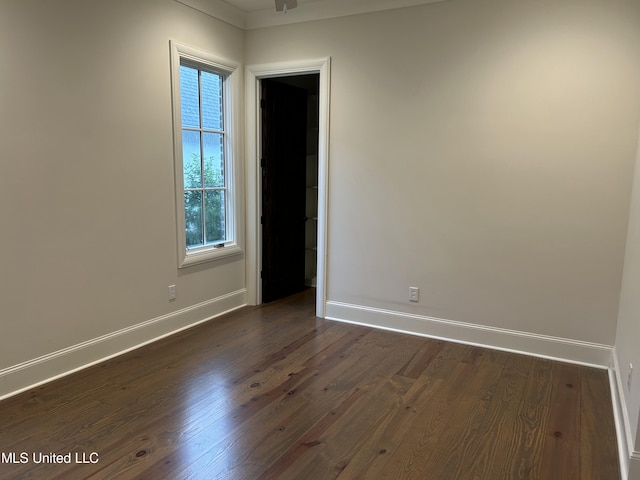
[[272, 392]]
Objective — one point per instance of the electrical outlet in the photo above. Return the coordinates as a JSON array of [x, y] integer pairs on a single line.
[[172, 292], [414, 294], [629, 376]]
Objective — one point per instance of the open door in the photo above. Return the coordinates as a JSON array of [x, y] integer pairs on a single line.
[[283, 162]]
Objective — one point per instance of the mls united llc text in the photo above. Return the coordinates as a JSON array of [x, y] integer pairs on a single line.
[[52, 457]]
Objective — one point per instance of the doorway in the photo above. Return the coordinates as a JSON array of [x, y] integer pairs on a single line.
[[289, 184], [253, 171]]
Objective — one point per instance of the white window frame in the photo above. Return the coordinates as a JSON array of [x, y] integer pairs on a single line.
[[231, 90]]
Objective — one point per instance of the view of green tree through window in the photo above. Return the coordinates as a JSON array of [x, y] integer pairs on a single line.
[[203, 155]]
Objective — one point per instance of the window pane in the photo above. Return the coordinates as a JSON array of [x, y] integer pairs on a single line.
[[189, 97], [191, 166], [193, 218], [214, 204], [213, 159], [211, 100]]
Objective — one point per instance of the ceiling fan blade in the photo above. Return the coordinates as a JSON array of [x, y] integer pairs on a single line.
[[289, 4]]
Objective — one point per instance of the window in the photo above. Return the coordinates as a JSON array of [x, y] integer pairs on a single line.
[[206, 205], [203, 156]]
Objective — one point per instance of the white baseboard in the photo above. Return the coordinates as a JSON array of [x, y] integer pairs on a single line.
[[46, 368], [565, 350], [620, 416]]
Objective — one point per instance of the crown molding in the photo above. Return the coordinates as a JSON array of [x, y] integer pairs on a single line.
[[306, 12], [220, 10]]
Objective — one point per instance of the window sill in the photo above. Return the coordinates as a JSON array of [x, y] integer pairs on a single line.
[[209, 255]]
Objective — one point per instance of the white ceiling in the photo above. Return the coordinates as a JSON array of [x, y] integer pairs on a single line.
[[250, 14]]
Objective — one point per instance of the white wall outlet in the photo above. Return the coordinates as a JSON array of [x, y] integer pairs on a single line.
[[172, 292], [414, 294], [629, 376]]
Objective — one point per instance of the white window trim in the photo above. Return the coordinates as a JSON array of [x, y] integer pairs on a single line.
[[232, 86]]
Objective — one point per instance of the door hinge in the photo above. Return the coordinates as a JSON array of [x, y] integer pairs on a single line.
[[262, 103], [261, 220]]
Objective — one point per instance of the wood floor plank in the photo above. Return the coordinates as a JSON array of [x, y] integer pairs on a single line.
[[540, 385], [524, 456], [212, 437], [321, 366], [594, 425], [384, 443], [431, 416], [339, 444], [488, 445], [274, 392], [561, 450], [330, 383], [458, 441], [311, 438], [446, 361], [424, 356]]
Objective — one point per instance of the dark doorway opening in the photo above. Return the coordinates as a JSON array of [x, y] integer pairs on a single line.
[[289, 165]]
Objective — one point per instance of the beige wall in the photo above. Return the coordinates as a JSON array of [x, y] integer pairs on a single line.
[[483, 151], [88, 244]]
